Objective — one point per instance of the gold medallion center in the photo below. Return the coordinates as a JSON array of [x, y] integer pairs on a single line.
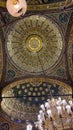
[[34, 43]]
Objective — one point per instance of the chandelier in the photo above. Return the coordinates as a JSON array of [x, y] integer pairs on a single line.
[[55, 114], [16, 7]]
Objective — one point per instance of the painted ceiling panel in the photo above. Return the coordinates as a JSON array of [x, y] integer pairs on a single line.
[[27, 55], [1, 60], [29, 94], [41, 4], [70, 53], [23, 55]]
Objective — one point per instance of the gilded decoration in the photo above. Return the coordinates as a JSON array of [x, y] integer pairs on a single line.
[[60, 70], [33, 41], [41, 4], [29, 94], [37, 81], [1, 60], [70, 53]]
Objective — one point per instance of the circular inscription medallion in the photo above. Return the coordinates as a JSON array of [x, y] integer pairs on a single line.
[[34, 43]]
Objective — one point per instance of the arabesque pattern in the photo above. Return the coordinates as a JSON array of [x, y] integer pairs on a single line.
[[33, 41]]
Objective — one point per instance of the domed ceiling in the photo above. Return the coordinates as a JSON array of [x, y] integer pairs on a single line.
[[33, 42], [28, 95], [35, 45]]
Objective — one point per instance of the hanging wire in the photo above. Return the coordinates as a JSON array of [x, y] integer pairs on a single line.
[[44, 75]]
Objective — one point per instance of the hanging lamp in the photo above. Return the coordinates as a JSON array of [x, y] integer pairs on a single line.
[[16, 8]]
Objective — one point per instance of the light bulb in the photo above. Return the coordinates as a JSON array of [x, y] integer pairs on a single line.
[[16, 6]]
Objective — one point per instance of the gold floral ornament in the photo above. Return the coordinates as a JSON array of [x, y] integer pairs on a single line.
[[34, 43]]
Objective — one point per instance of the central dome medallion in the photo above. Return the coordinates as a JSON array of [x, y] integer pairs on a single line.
[[34, 41]]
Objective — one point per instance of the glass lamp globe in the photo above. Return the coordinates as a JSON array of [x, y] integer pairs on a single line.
[[16, 7]]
